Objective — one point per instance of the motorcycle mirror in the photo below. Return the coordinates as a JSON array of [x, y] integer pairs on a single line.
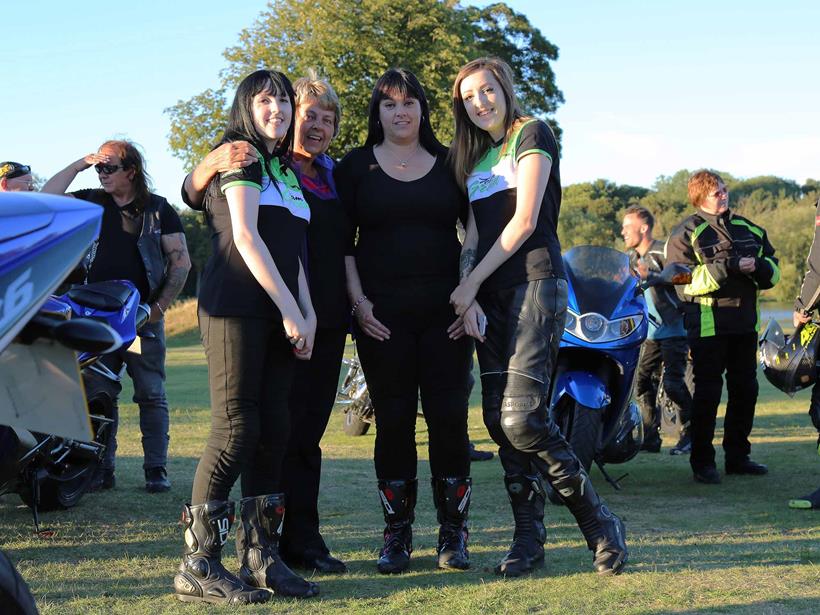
[[86, 335]]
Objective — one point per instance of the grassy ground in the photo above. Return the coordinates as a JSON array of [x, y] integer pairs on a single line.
[[735, 548]]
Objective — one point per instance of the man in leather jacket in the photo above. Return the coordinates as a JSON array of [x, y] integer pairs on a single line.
[[664, 353], [731, 260]]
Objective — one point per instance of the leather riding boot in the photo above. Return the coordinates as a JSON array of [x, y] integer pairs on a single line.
[[651, 424], [398, 498], [604, 531], [201, 576], [527, 499], [452, 499], [257, 546]]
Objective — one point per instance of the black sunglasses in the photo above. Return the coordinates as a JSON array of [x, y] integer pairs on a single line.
[[108, 169]]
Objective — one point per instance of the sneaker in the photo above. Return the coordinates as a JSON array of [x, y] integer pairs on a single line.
[[707, 476], [683, 447], [652, 445], [807, 502], [103, 480], [156, 480], [476, 455], [747, 466]]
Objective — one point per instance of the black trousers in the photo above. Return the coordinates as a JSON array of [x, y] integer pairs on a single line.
[[418, 358], [311, 401], [670, 354], [736, 355], [250, 370], [524, 328]]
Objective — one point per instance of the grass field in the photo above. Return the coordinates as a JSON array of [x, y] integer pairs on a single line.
[[734, 548]]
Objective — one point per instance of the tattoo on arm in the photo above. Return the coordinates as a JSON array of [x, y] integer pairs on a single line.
[[467, 263], [179, 263]]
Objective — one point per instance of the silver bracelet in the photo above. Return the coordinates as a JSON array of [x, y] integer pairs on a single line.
[[356, 305]]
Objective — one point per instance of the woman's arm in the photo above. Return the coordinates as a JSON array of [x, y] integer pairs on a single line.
[[62, 180], [533, 174], [233, 155], [243, 204], [362, 306]]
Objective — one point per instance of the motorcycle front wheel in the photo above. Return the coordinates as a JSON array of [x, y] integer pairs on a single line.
[[581, 427], [56, 493], [354, 425]]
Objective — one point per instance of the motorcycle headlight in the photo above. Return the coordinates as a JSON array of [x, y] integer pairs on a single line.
[[622, 327], [592, 326], [571, 321]]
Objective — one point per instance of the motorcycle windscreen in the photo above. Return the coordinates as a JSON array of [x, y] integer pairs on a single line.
[[41, 390], [598, 277]]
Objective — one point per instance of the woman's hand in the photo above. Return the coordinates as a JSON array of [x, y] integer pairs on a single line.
[[306, 351], [369, 323], [456, 330], [463, 296], [471, 319], [299, 333]]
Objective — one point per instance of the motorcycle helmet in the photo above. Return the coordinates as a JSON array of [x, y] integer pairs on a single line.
[[789, 362]]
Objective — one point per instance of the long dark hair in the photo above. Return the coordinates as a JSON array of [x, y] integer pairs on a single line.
[[240, 119], [131, 158], [395, 83]]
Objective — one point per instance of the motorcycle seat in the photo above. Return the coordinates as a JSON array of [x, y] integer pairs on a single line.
[[109, 296]]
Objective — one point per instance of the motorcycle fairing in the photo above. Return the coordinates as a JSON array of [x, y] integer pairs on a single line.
[[587, 389], [42, 238]]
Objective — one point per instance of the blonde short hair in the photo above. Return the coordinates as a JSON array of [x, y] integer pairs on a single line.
[[313, 88], [702, 184]]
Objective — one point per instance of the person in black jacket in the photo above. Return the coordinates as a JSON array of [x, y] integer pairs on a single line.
[[807, 301], [731, 260], [664, 353]]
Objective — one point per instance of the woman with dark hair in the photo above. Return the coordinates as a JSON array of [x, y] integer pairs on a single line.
[[316, 120], [511, 263], [256, 319], [405, 205]]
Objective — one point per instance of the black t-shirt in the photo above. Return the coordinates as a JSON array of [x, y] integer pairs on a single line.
[[228, 287], [118, 257], [492, 188], [407, 250], [327, 241]]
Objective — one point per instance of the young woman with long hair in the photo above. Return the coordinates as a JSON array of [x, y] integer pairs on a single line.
[[512, 283], [256, 320]]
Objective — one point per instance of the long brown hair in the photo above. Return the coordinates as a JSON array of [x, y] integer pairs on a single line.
[[470, 142], [131, 158]]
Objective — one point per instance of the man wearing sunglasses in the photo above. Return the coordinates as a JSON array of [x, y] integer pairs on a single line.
[[15, 177], [141, 240]]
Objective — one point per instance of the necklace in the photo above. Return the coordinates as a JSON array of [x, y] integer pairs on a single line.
[[403, 163]]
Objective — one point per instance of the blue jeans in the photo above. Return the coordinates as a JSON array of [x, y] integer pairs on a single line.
[[147, 371]]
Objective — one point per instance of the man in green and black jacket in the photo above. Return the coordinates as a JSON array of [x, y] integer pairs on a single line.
[[731, 260]]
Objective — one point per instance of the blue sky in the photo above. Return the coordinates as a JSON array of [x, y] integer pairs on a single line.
[[650, 88]]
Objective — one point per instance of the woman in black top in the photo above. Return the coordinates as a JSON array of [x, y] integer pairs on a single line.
[[316, 120], [405, 205], [255, 315], [511, 261]]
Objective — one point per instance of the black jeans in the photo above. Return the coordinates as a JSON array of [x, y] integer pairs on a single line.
[[711, 357], [524, 327], [311, 400], [669, 353], [418, 357], [250, 370]]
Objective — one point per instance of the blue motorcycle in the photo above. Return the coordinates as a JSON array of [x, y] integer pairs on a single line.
[[606, 323], [52, 437]]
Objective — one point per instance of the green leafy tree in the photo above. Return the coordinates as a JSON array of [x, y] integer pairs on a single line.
[[352, 42]]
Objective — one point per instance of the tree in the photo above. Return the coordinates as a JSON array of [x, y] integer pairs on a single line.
[[352, 42]]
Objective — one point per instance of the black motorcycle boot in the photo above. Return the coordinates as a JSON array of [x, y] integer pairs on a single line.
[[603, 530], [452, 499], [527, 499], [201, 576], [257, 547], [398, 498]]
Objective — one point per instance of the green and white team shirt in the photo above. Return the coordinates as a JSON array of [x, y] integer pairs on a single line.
[[492, 188], [228, 286]]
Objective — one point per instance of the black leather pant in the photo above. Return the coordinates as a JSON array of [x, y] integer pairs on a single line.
[[671, 354], [524, 328]]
